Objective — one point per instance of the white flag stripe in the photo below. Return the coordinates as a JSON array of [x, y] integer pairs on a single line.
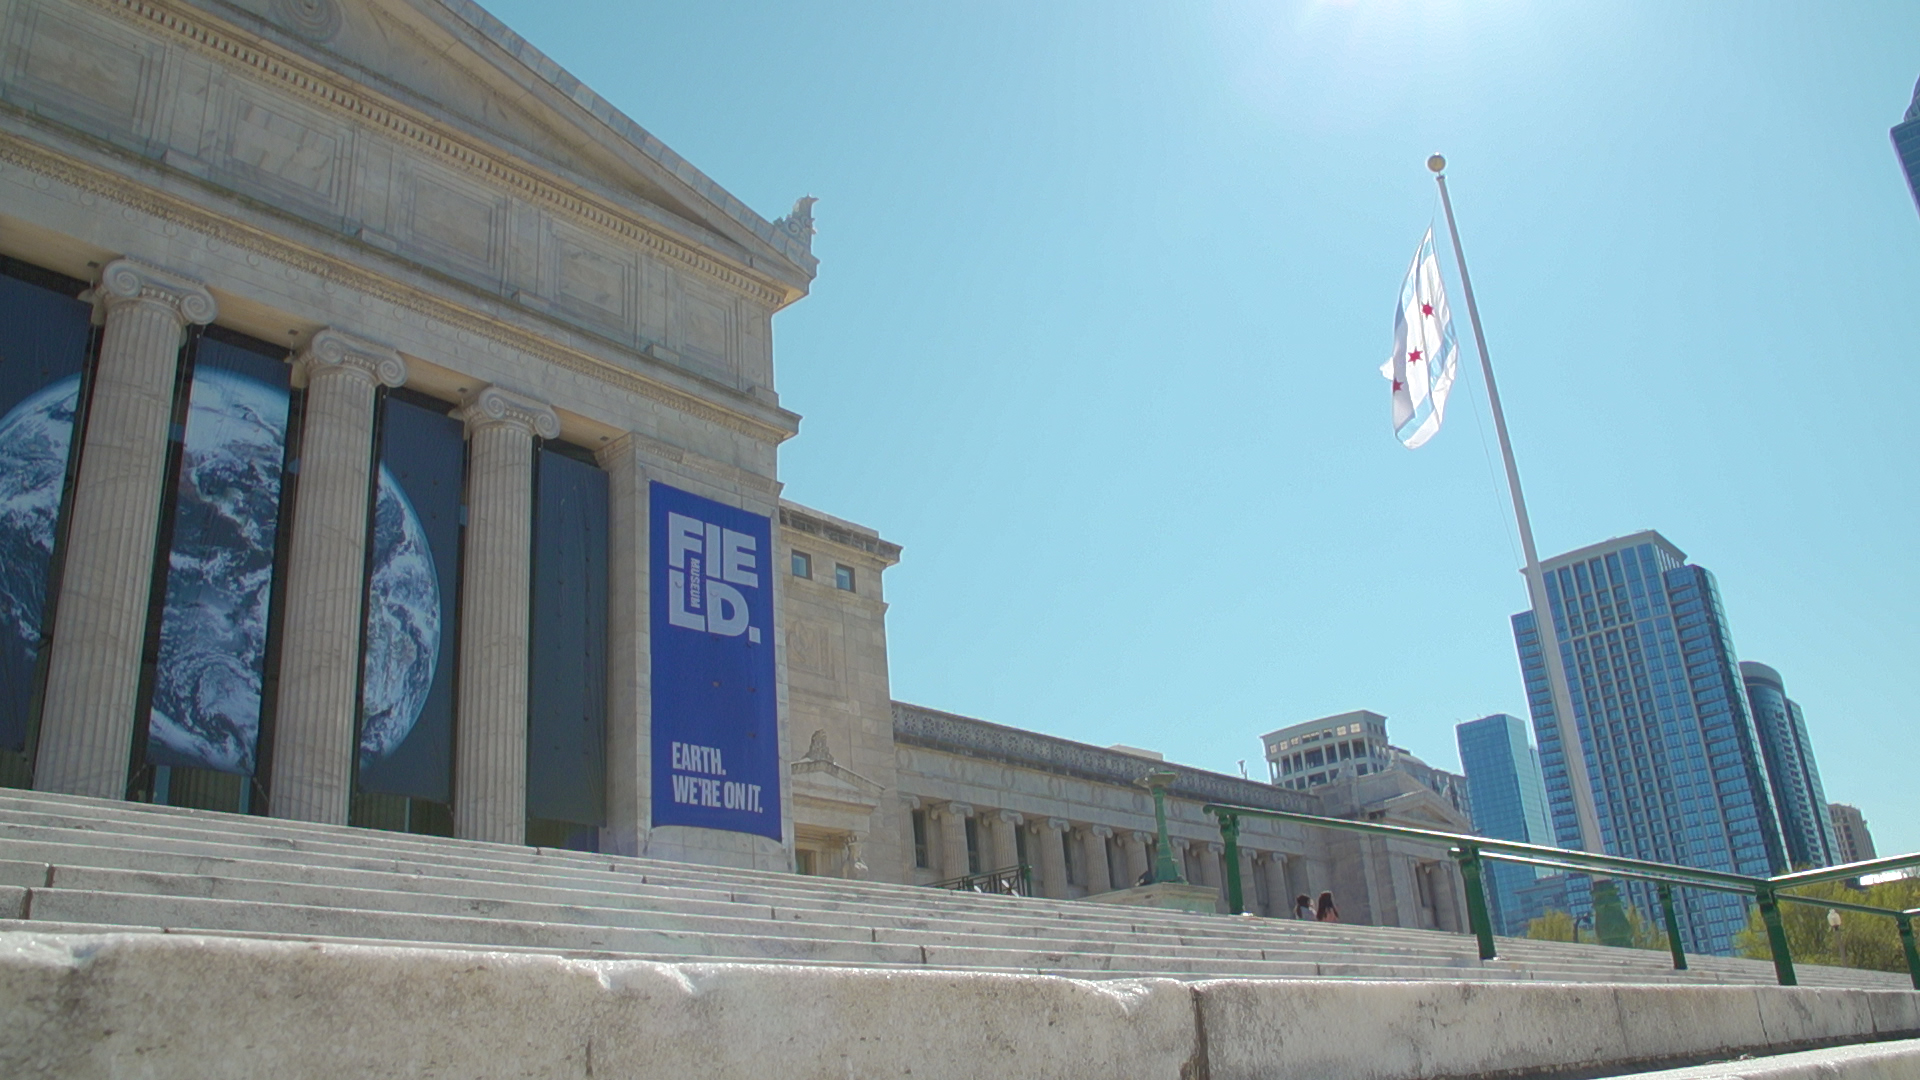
[[1425, 354]]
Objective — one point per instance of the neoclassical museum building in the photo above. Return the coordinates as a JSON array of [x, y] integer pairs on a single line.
[[389, 438]]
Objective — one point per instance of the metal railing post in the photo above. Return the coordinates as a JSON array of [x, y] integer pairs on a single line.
[[1230, 840], [1904, 920], [1776, 935], [1468, 856], [1673, 927]]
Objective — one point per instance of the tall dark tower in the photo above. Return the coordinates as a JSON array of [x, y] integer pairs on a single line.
[[1906, 143]]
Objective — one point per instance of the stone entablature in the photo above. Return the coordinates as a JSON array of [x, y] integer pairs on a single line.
[[193, 95], [915, 725], [815, 524]]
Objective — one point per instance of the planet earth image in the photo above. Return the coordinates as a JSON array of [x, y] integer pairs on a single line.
[[33, 460], [213, 635]]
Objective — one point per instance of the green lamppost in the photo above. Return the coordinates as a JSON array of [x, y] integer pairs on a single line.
[[1164, 868]]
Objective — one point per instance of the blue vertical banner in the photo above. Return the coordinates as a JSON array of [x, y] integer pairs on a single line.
[[716, 715]]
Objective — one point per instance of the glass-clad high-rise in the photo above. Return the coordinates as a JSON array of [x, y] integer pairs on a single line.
[[1906, 144], [1509, 801], [1797, 791], [1668, 744]]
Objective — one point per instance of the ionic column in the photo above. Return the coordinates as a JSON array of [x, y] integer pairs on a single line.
[[313, 732], [1006, 849], [1099, 875], [490, 739], [1249, 888], [1133, 850], [953, 840], [1279, 894], [1051, 834], [93, 674], [629, 720]]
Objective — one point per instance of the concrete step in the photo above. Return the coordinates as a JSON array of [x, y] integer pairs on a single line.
[[166, 1005], [127, 850]]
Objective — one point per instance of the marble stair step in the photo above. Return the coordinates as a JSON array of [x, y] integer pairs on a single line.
[[972, 935], [216, 915], [208, 835]]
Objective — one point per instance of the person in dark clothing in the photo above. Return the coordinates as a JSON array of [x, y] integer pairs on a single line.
[[1326, 912], [1303, 907]]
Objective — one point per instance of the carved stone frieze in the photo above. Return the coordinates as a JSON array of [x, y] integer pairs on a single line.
[[421, 133], [93, 182], [917, 726]]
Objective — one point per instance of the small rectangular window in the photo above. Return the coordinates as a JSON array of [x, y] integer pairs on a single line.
[[802, 564], [843, 577], [920, 839]]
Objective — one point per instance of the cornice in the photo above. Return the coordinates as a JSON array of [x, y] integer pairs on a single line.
[[115, 187], [320, 87], [885, 551]]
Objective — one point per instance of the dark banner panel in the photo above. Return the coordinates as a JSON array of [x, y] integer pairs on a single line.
[[716, 734], [567, 681], [211, 659], [44, 335], [406, 732]]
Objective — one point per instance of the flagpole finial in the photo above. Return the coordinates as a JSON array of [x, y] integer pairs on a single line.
[[1436, 163]]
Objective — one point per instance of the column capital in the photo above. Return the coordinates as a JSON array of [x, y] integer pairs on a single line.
[[1216, 847], [958, 809], [333, 351], [1011, 817], [911, 802], [1101, 831], [1058, 824], [129, 280], [491, 406]]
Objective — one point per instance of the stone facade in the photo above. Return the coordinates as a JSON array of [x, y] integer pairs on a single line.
[[402, 197]]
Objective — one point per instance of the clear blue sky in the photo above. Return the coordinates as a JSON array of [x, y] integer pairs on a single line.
[[1104, 287]]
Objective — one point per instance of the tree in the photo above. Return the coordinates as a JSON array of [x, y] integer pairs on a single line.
[[1871, 941], [1554, 925]]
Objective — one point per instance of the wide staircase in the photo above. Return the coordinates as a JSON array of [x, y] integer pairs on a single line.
[[74, 868], [78, 865]]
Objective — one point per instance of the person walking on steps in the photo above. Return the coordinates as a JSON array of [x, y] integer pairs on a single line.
[[1303, 907], [1326, 912]]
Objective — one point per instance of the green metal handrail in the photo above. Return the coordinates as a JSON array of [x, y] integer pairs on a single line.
[[1469, 851]]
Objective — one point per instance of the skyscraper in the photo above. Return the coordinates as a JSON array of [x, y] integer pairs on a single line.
[[1797, 794], [1509, 803], [1852, 841], [1906, 144], [1668, 744]]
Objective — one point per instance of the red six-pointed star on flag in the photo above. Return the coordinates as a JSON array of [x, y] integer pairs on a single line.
[[1426, 309], [1413, 356], [1397, 384]]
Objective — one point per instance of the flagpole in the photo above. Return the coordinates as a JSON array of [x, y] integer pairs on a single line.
[[1583, 802]]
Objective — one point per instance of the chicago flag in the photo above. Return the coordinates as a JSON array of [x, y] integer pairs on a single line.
[[1425, 354]]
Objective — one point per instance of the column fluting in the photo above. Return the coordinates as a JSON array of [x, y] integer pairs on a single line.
[[315, 720], [490, 736], [1052, 835], [93, 675]]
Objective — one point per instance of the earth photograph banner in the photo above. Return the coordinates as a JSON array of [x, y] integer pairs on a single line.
[[716, 736], [406, 729], [212, 653], [43, 346]]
